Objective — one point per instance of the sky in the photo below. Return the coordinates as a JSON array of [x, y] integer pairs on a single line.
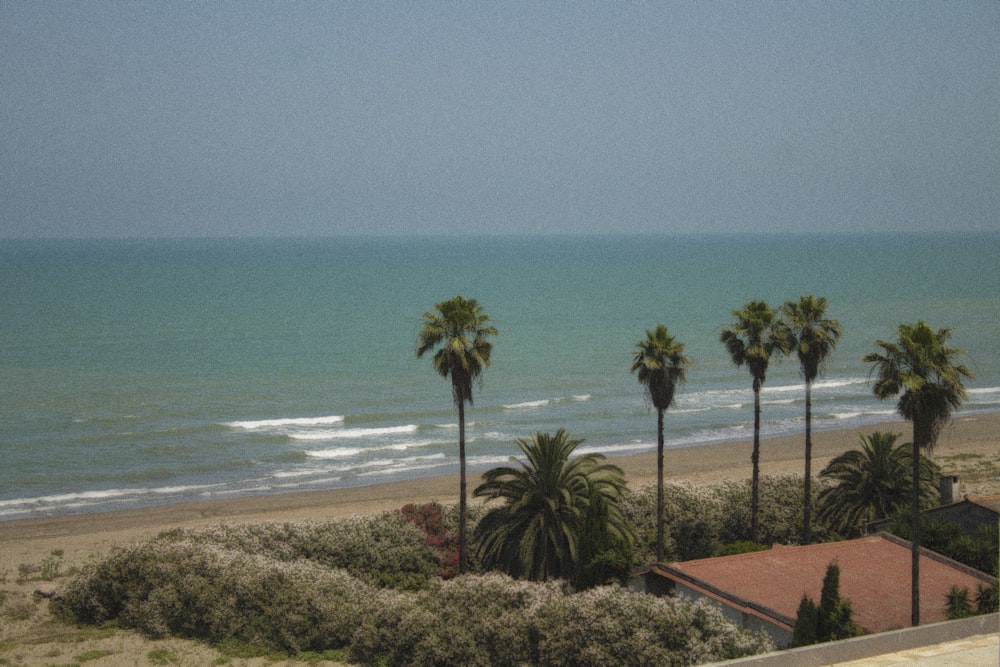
[[193, 119]]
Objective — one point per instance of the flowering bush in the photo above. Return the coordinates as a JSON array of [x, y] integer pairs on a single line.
[[702, 519], [611, 625], [494, 620], [194, 590], [470, 620], [285, 587], [441, 535], [385, 550]]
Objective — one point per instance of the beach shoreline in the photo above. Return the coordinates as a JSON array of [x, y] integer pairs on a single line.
[[968, 446]]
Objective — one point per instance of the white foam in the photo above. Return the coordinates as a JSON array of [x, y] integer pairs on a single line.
[[581, 397], [527, 405], [339, 453], [293, 421], [353, 433]]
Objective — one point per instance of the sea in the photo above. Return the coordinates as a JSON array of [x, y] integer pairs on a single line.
[[141, 372]]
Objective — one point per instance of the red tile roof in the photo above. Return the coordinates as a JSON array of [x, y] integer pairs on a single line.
[[874, 575]]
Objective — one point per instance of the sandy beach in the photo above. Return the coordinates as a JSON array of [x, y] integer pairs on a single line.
[[969, 447]]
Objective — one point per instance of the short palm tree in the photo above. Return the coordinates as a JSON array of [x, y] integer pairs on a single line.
[[660, 365], [549, 498], [923, 370], [459, 332], [872, 483], [751, 341], [813, 337]]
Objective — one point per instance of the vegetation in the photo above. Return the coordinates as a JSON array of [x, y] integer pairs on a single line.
[[240, 587], [977, 549], [703, 520], [660, 364], [831, 620], [557, 509], [441, 535], [751, 341], [813, 337], [873, 483], [923, 370], [459, 332]]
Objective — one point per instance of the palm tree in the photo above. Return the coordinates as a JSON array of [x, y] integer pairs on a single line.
[[873, 482], [549, 499], [814, 338], [460, 332], [751, 341], [660, 364], [924, 372]]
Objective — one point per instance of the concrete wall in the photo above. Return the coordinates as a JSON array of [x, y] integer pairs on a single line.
[[870, 646]]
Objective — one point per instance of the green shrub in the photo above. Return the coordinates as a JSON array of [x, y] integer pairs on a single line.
[[280, 587], [977, 549], [384, 550], [469, 620], [194, 590], [495, 620], [702, 519], [736, 548], [613, 626]]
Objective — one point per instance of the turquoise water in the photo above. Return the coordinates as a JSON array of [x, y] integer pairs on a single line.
[[139, 372]]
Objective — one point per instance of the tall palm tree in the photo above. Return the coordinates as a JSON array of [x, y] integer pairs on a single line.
[[923, 370], [873, 482], [751, 341], [460, 333], [660, 364], [814, 338], [535, 534]]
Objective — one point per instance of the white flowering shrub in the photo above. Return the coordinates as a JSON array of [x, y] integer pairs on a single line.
[[283, 587], [702, 519], [470, 620], [194, 590], [494, 620], [613, 626], [386, 550]]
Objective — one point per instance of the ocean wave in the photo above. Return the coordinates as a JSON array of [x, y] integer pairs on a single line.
[[291, 421], [353, 433], [984, 396], [779, 401], [92, 498], [688, 411], [339, 453], [527, 405]]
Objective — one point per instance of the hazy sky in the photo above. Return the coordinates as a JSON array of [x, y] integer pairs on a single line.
[[173, 118]]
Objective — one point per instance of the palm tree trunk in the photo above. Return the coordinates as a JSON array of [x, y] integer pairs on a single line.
[[461, 488], [755, 459], [807, 493], [915, 539], [659, 486]]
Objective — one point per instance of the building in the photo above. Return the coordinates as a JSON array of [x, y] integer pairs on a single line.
[[970, 514], [762, 590]]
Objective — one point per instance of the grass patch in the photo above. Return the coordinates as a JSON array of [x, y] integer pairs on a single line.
[[235, 648], [163, 656], [333, 655], [19, 610], [87, 634], [96, 654], [47, 571]]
